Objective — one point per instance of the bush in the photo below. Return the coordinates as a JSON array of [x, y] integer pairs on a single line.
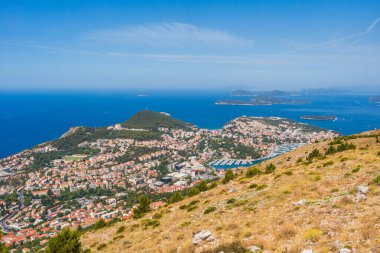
[[101, 246], [151, 223], [228, 176], [202, 186], [315, 153], [120, 229], [253, 186], [377, 180], [260, 187], [252, 172], [210, 209], [143, 207], [176, 197], [212, 185], [157, 216], [235, 247], [65, 241], [100, 224], [231, 201], [356, 170], [270, 168], [192, 192], [313, 234]]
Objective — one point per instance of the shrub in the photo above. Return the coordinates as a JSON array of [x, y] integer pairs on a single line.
[[118, 237], [120, 229], [101, 246], [212, 185], [252, 172], [287, 231], [157, 216], [315, 153], [270, 168], [313, 234], [231, 201], [356, 170], [253, 186], [299, 160], [143, 207], [235, 247], [100, 224], [260, 187], [377, 180], [177, 196], [202, 186], [228, 176], [191, 208], [210, 209], [192, 192], [150, 223], [65, 241], [288, 173], [328, 163]]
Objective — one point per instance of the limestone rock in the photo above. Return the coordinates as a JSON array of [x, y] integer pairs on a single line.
[[203, 235], [254, 249]]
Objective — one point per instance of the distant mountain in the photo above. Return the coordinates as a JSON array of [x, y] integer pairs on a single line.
[[152, 120]]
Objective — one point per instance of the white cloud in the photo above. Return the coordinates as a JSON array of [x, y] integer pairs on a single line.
[[168, 35], [373, 25]]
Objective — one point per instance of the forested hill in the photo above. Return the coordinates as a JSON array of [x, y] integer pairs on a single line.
[[152, 120]]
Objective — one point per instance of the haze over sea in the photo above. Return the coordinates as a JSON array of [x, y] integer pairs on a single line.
[[29, 119]]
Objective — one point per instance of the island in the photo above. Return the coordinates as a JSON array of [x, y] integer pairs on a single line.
[[264, 100], [374, 99], [319, 117]]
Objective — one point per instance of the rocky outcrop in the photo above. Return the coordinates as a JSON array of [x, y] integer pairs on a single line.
[[203, 236]]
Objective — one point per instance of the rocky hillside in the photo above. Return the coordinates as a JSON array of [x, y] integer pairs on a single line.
[[323, 197]]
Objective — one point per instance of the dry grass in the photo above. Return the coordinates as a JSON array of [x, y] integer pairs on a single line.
[[267, 218]]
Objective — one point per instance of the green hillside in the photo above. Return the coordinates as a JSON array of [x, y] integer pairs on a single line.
[[152, 120]]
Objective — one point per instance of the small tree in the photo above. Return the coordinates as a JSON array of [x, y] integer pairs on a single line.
[[100, 224], [65, 241], [177, 196], [3, 247], [228, 176], [202, 186], [252, 172], [143, 207], [270, 168], [192, 192]]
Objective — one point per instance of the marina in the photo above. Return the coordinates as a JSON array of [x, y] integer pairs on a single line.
[[224, 163]]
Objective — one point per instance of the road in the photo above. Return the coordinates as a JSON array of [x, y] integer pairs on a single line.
[[3, 223]]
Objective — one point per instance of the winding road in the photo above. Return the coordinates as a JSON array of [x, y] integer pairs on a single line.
[[3, 223]]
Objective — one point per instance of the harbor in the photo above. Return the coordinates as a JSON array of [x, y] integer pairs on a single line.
[[222, 164]]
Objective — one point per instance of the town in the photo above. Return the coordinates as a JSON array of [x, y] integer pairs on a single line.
[[47, 188]]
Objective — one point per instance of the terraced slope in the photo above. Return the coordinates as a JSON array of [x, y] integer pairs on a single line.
[[304, 204]]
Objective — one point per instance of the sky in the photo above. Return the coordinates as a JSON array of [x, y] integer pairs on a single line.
[[115, 45]]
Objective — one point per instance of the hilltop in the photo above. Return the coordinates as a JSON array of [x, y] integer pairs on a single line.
[[153, 120], [321, 197]]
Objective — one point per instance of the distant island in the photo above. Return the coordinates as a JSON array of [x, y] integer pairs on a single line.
[[279, 93], [320, 117], [264, 100], [374, 99]]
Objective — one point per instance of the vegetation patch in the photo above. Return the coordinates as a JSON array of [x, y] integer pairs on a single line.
[[210, 209], [313, 234], [235, 247]]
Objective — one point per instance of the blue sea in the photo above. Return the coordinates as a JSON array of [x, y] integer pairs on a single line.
[[27, 119]]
